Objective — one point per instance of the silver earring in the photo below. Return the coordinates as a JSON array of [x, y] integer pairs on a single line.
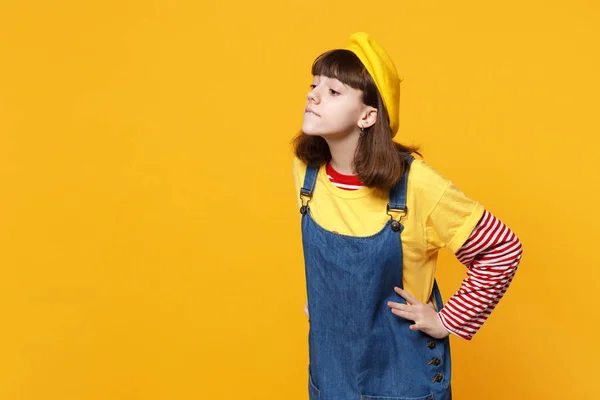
[[362, 131]]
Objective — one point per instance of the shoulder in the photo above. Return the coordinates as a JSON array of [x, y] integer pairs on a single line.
[[425, 181], [298, 165], [298, 170], [433, 191]]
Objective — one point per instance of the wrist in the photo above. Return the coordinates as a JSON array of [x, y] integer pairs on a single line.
[[444, 329]]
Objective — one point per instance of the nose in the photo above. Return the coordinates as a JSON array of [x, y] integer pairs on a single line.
[[313, 97]]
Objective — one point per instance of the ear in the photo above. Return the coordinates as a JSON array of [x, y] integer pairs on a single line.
[[368, 118]]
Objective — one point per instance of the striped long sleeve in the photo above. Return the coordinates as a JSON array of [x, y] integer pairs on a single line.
[[491, 254]]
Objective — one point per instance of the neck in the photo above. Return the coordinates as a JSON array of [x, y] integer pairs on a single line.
[[342, 153]]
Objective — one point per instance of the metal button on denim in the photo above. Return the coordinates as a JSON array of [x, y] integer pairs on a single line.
[[436, 361]]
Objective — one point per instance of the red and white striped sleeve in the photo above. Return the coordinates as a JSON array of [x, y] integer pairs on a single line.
[[492, 254]]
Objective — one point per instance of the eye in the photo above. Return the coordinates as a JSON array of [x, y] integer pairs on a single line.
[[333, 92], [313, 86]]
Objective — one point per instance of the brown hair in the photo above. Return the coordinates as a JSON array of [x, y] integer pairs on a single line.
[[378, 160]]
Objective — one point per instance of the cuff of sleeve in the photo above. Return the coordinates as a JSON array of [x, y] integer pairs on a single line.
[[451, 329]]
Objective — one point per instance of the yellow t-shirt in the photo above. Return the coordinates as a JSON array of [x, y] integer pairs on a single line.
[[439, 215]]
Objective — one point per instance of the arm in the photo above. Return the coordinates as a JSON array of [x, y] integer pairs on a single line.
[[492, 254]]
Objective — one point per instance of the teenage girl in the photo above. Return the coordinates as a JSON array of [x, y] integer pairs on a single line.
[[373, 220]]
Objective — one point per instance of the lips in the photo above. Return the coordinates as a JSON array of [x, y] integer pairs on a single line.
[[309, 111]]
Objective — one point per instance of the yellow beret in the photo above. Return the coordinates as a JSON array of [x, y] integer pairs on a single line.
[[381, 68]]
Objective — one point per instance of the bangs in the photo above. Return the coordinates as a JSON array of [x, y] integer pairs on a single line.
[[344, 66], [347, 68]]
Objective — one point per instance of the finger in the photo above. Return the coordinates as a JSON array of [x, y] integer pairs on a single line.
[[404, 314], [407, 296], [399, 306], [414, 327]]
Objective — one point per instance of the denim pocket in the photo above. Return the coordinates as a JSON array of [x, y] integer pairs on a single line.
[[428, 397], [313, 392]]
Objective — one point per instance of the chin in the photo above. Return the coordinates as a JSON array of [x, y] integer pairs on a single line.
[[308, 130]]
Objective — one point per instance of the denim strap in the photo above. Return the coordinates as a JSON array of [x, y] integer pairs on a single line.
[[309, 180], [398, 192]]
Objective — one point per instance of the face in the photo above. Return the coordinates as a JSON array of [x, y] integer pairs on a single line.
[[334, 109]]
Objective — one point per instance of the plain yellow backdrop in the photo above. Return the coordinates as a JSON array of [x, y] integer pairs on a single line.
[[149, 241]]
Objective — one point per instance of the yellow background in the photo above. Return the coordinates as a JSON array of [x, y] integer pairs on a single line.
[[149, 240]]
